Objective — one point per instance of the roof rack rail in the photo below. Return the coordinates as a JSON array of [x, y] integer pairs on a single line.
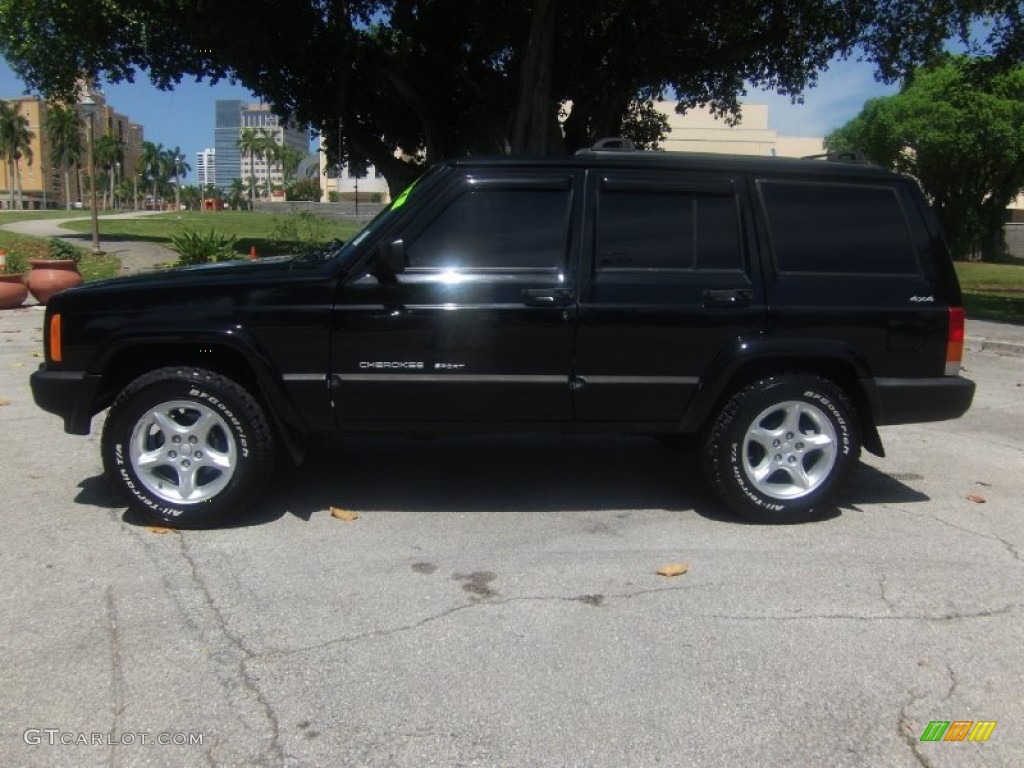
[[612, 143], [843, 156]]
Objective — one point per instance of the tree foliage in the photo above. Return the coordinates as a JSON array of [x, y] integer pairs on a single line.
[[64, 132], [437, 78], [15, 146], [958, 128]]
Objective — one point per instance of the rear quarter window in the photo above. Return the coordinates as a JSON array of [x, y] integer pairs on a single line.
[[837, 229]]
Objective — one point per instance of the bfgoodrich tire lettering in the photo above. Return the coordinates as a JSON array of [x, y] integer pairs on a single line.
[[188, 447], [783, 448]]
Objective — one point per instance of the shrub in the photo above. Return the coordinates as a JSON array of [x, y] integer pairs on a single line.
[[301, 231], [61, 249], [16, 262], [195, 247]]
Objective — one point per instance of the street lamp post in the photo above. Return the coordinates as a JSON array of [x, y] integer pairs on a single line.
[[89, 109]]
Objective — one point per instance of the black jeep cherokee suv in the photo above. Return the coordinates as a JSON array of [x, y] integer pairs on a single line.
[[780, 310]]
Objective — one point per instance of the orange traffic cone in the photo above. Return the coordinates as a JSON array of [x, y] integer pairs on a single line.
[[3, 260], [252, 253]]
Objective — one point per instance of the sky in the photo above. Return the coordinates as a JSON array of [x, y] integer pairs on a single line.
[[184, 117]]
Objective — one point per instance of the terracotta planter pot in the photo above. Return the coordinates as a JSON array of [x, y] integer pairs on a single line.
[[12, 290], [50, 276]]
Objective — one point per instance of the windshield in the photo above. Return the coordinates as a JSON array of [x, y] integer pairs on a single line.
[[386, 216]]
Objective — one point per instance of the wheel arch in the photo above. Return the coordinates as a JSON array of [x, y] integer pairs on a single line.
[[229, 354], [749, 360]]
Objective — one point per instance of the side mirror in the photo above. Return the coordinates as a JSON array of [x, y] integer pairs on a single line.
[[388, 261]]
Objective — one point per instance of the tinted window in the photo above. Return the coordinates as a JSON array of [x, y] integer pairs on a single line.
[[835, 228], [640, 230], [496, 228]]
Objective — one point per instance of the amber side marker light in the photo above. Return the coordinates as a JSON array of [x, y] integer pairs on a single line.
[[56, 353], [955, 341]]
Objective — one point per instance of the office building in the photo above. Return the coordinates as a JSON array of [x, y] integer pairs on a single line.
[[206, 168], [232, 117]]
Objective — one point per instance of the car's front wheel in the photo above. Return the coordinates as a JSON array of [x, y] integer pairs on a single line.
[[782, 448], [188, 447]]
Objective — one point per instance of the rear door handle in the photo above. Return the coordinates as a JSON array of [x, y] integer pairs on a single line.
[[728, 297], [546, 297]]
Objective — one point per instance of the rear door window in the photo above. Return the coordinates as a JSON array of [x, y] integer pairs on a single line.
[[645, 227]]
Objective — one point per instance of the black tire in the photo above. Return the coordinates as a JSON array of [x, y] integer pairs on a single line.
[[782, 449], [188, 447]]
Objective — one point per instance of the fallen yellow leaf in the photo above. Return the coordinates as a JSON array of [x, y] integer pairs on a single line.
[[159, 529], [4, 402], [344, 514], [976, 499], [674, 569]]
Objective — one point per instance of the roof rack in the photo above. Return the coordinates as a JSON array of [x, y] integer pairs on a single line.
[[854, 156], [612, 143]]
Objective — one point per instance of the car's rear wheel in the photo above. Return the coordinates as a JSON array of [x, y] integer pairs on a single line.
[[188, 447], [783, 448]]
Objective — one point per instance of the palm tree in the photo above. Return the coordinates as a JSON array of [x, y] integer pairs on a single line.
[[64, 131], [251, 142], [290, 159], [272, 157], [108, 154], [236, 194], [15, 145], [174, 162], [151, 165]]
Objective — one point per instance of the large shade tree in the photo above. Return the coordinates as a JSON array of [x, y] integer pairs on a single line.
[[437, 78], [958, 128]]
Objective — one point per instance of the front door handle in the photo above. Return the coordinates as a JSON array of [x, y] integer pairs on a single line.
[[728, 297], [546, 297]]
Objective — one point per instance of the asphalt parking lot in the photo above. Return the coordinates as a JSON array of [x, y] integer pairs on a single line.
[[496, 604]]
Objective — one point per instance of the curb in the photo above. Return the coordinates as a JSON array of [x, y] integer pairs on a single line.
[[978, 344]]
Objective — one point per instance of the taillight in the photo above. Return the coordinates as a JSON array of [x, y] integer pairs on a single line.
[[56, 353], [955, 341]]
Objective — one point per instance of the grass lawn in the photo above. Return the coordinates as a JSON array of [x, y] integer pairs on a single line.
[[993, 291], [270, 233], [9, 217]]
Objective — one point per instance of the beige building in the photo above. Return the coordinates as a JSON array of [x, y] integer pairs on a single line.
[[42, 181], [696, 131], [700, 131], [349, 185]]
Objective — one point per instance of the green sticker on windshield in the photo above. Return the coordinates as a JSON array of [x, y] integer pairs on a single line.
[[400, 200]]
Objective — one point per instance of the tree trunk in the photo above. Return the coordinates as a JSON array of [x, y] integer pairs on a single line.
[[67, 187], [532, 125], [17, 181]]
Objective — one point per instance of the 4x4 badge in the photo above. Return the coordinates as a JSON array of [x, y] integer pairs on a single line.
[[923, 299]]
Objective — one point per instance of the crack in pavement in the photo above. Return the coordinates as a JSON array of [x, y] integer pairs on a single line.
[[884, 595], [274, 754], [116, 675], [596, 600], [903, 728], [1011, 548]]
